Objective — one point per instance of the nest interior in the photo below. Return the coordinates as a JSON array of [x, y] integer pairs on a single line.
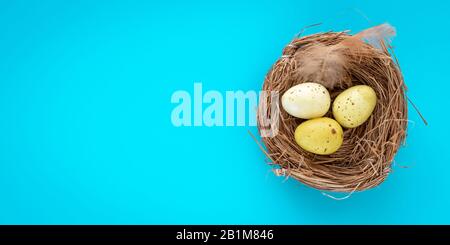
[[364, 160]]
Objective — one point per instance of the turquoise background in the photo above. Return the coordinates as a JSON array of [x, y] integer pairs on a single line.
[[85, 130]]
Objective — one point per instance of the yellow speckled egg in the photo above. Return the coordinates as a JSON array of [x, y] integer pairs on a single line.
[[321, 136], [354, 106], [306, 100]]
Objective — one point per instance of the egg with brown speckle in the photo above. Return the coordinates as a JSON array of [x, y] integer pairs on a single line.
[[322, 136], [353, 106], [306, 100]]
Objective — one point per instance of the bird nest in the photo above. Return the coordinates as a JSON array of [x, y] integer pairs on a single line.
[[338, 61]]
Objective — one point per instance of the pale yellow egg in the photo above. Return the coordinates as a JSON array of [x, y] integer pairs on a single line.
[[322, 136], [354, 106], [306, 100]]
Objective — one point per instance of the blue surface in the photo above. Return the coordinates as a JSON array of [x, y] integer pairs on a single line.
[[85, 130]]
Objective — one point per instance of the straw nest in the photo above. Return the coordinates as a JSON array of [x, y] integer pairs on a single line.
[[339, 60]]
